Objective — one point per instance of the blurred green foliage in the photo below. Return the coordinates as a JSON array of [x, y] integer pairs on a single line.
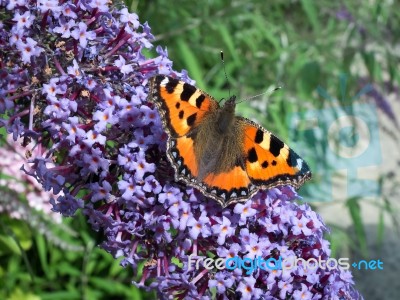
[[32, 267], [299, 45], [321, 53]]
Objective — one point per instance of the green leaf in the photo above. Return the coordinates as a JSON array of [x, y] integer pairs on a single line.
[[62, 295], [177, 262], [311, 12], [309, 77], [381, 228], [355, 213], [269, 32], [191, 62], [369, 60], [340, 242], [17, 294], [115, 288], [22, 233], [42, 252], [65, 268], [132, 5], [348, 58], [16, 234], [227, 37], [8, 244]]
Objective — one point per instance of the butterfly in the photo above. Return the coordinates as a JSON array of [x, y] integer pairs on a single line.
[[227, 157]]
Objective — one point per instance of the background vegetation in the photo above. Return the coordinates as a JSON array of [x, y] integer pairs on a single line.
[[325, 55], [322, 54]]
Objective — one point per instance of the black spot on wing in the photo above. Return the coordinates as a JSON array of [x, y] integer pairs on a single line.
[[200, 100], [275, 145], [181, 114], [292, 158], [177, 105], [252, 155], [187, 92], [171, 85], [273, 163], [191, 119], [264, 164], [289, 159], [259, 136]]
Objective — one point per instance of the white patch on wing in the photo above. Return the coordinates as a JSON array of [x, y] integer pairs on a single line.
[[195, 95], [164, 82], [299, 163], [266, 141], [284, 153]]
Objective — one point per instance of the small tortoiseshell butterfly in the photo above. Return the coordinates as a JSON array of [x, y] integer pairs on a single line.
[[228, 158]]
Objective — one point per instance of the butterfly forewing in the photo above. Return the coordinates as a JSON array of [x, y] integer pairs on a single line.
[[269, 161], [181, 105]]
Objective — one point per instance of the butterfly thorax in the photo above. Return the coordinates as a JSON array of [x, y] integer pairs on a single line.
[[226, 116], [217, 147]]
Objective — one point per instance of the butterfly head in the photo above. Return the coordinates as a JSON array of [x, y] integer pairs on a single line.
[[230, 104]]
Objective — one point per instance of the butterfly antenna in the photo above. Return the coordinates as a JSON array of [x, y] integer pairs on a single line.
[[258, 95], [226, 76]]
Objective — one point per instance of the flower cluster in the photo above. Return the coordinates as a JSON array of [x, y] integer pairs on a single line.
[[23, 198], [16, 182], [74, 81]]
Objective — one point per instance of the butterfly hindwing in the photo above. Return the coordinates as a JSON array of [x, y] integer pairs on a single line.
[[224, 187], [229, 187], [269, 161], [181, 105], [221, 186], [181, 153]]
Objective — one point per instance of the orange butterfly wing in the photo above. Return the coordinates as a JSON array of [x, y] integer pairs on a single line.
[[229, 187], [269, 161], [182, 107]]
